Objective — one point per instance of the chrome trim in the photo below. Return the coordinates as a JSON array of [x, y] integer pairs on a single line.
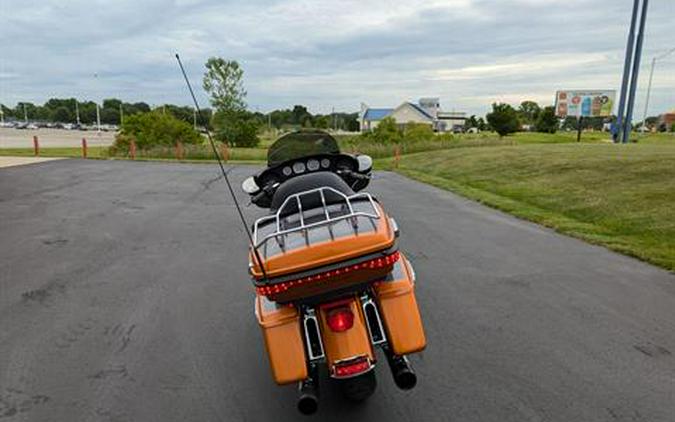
[[309, 314], [367, 301], [394, 226], [327, 221]]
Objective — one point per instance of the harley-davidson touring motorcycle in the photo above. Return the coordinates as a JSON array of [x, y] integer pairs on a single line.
[[331, 285]]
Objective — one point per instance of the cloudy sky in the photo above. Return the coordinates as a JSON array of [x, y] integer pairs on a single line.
[[327, 54]]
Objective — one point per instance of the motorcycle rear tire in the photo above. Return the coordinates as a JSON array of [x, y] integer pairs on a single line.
[[359, 388]]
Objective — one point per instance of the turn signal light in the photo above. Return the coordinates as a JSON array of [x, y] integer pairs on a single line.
[[340, 319], [350, 369]]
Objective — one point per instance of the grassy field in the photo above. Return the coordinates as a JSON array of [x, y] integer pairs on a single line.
[[619, 196], [69, 152]]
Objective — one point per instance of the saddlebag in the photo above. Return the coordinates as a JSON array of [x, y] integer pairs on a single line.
[[399, 311], [281, 330]]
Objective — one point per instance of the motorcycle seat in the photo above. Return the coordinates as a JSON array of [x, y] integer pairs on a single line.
[[308, 182]]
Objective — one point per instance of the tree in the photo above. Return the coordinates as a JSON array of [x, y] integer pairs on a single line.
[[503, 119], [472, 121], [223, 80], [547, 121], [529, 112], [155, 129], [236, 128], [62, 115]]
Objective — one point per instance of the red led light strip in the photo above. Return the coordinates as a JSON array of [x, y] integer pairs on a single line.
[[367, 265]]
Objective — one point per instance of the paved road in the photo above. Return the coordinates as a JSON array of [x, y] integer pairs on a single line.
[[124, 297]]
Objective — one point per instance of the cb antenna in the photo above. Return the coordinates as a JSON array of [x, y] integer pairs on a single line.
[[256, 255]]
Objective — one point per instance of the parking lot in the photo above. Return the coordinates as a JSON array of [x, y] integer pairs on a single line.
[[53, 138]]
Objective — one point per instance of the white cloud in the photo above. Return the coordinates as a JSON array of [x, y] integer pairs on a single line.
[[326, 53]]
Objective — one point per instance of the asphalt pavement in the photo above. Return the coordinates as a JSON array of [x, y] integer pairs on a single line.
[[124, 297]]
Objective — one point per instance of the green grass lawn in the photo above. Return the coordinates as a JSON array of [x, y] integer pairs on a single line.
[[619, 196]]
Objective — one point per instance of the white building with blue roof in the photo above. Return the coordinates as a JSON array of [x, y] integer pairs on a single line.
[[426, 111]]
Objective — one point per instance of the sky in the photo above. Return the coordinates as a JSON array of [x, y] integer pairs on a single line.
[[331, 54]]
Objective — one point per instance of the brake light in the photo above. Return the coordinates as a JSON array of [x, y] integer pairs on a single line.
[[375, 263], [340, 319], [352, 368]]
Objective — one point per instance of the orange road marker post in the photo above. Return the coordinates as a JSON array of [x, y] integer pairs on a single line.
[[224, 152], [84, 148], [36, 145], [397, 156], [180, 152], [132, 149]]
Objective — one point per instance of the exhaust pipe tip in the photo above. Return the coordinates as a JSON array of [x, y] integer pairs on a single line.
[[308, 400], [405, 379], [308, 404], [404, 376]]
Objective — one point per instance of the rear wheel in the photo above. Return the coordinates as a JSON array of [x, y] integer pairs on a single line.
[[359, 388]]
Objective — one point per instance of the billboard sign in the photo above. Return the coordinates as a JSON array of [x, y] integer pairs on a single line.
[[584, 103]]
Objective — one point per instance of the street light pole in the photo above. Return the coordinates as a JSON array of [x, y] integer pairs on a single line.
[[98, 111], [649, 86]]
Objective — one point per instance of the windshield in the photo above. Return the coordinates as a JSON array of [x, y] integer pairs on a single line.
[[301, 144]]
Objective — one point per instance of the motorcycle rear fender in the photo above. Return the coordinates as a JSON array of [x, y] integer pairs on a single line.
[[346, 345]]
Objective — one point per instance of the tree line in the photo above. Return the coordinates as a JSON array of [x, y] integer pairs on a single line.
[[113, 110]]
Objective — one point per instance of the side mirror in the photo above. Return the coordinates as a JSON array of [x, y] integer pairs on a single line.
[[365, 163], [250, 186]]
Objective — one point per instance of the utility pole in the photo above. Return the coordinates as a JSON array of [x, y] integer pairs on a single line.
[[649, 86], [634, 77], [77, 112], [626, 72], [121, 115], [630, 73], [25, 113]]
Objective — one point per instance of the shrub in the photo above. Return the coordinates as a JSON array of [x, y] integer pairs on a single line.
[[547, 121], [386, 132], [154, 129], [503, 119], [418, 132], [236, 128]]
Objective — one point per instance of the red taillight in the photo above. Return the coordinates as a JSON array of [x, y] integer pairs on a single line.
[[367, 265], [352, 368], [340, 319]]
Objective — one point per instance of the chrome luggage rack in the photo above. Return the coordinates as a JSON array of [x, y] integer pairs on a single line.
[[324, 215]]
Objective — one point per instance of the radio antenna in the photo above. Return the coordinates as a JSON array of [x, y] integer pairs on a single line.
[[256, 255]]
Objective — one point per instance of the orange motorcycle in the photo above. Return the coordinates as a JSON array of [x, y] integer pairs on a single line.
[[331, 284]]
